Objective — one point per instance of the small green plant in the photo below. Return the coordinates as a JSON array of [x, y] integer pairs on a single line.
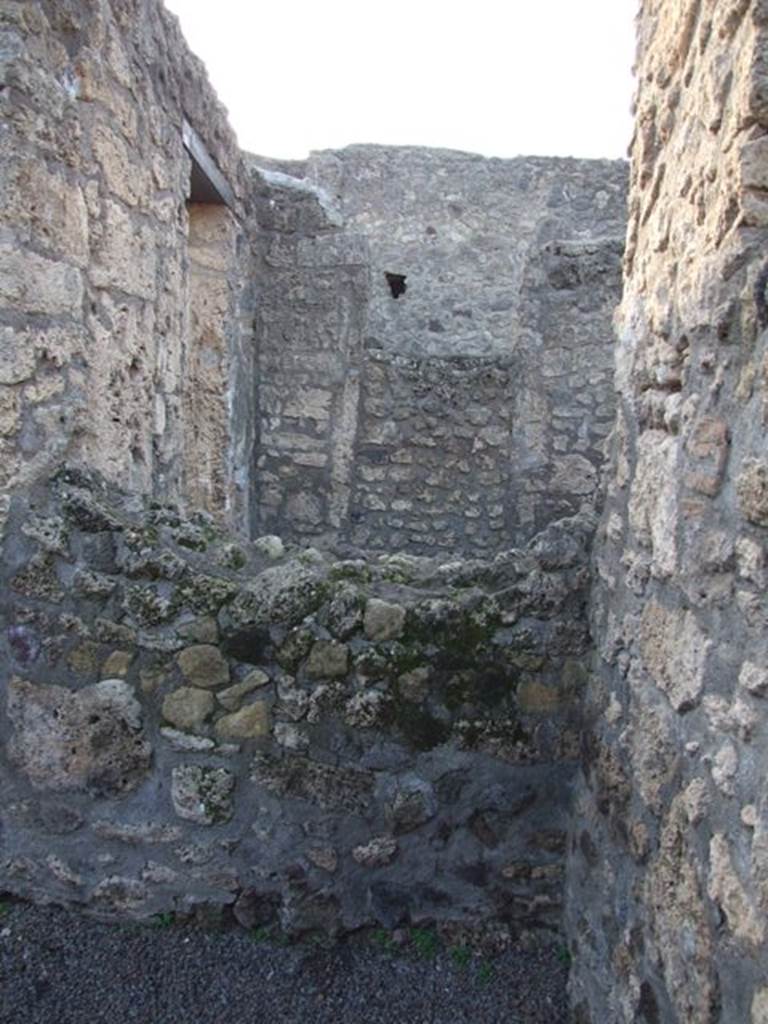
[[485, 973], [461, 956], [4, 908], [564, 955], [164, 920], [271, 934], [384, 941], [425, 942]]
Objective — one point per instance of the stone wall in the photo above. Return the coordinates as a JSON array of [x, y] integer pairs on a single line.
[[96, 292], [667, 895], [470, 409], [312, 298], [195, 726]]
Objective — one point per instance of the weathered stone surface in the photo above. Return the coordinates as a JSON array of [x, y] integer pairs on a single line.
[[675, 651], [324, 857], [188, 707], [120, 895], [752, 489], [681, 928], [376, 853], [250, 723], [286, 593], [414, 685], [185, 743], [331, 788], [726, 889], [204, 666], [202, 795], [91, 739], [270, 545], [760, 1007], [328, 659], [678, 604], [412, 803], [754, 678], [383, 621], [232, 697]]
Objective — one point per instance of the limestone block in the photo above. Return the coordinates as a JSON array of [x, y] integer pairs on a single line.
[[120, 895], [188, 707], [653, 499], [250, 723], [537, 698], [135, 835], [725, 767], [328, 659], [10, 411], [754, 678], [382, 620], [91, 739], [411, 803], [185, 743], [573, 474], [124, 178], [231, 698], [269, 545], [200, 631], [290, 736], [203, 665], [754, 163], [414, 685], [675, 652], [379, 851], [655, 760], [285, 593], [33, 284], [760, 1004], [293, 701], [324, 857], [202, 795], [726, 889], [735, 717], [366, 710], [680, 922], [117, 665], [50, 211], [707, 448], [329, 787], [124, 254], [752, 490]]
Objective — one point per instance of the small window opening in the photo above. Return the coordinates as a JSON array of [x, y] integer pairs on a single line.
[[396, 284]]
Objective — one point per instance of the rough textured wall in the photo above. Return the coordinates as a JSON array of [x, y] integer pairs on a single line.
[[312, 288], [487, 386], [193, 725], [667, 895], [475, 402], [94, 268]]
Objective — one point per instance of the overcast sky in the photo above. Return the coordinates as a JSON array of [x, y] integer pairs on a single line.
[[498, 77]]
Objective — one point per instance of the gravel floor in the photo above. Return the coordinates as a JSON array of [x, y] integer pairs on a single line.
[[59, 968]]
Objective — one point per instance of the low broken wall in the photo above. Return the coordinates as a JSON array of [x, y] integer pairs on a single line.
[[192, 725]]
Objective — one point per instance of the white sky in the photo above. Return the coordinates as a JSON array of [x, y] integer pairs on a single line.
[[498, 77]]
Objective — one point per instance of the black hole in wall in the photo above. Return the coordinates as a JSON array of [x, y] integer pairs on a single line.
[[396, 284]]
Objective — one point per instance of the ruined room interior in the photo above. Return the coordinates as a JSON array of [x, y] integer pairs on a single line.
[[378, 554]]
